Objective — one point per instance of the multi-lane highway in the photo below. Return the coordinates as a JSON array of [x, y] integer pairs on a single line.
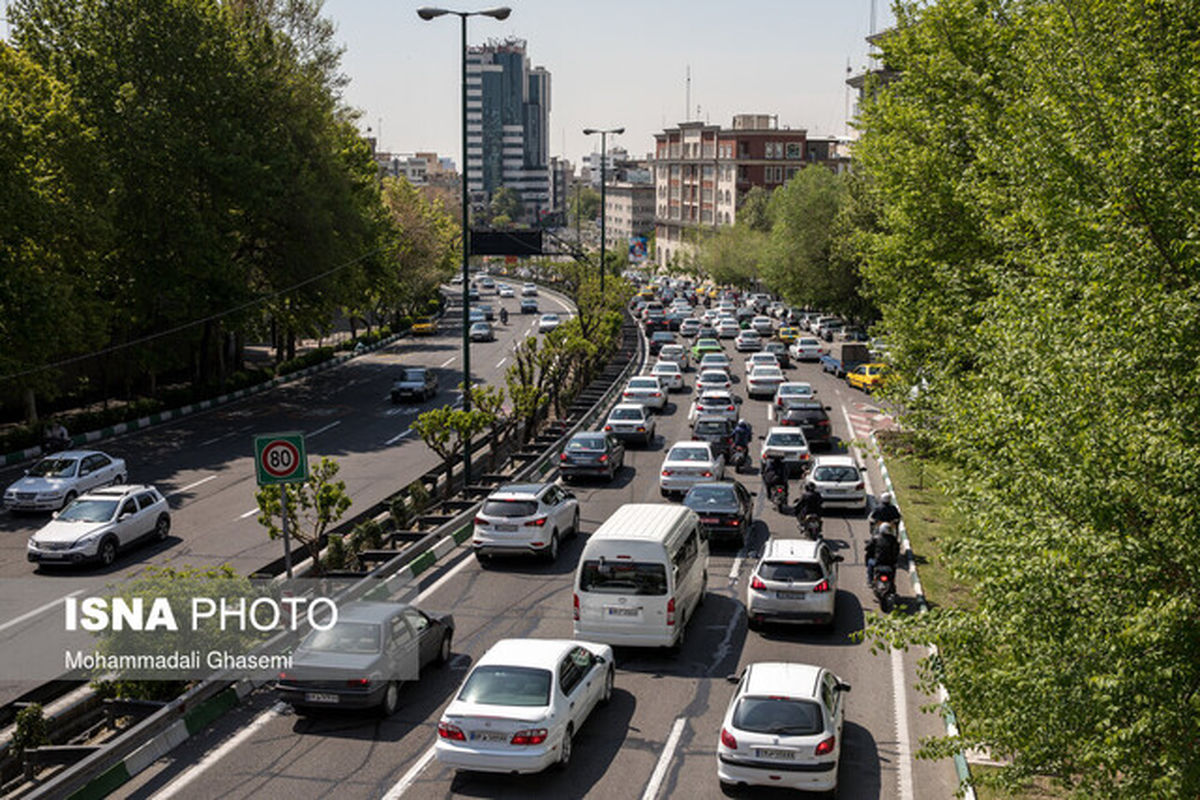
[[204, 465], [658, 736]]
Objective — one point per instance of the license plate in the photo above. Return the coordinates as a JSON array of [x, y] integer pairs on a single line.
[[790, 595], [774, 755], [836, 491], [709, 520], [320, 697], [506, 528], [489, 736], [618, 611], [52, 555]]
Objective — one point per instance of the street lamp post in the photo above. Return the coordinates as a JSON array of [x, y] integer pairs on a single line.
[[426, 13], [603, 190]]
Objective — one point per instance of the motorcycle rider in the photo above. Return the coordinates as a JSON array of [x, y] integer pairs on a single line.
[[55, 436], [775, 473], [809, 502], [883, 550], [504, 316], [742, 434], [886, 511]]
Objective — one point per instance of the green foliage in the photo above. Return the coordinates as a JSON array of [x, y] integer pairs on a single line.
[[337, 555], [755, 210], [312, 506], [1032, 189], [585, 204], [506, 206], [733, 256], [30, 729], [418, 496], [445, 430]]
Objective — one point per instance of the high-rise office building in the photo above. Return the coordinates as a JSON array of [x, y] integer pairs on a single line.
[[508, 126]]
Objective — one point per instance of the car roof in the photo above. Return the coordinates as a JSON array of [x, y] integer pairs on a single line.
[[638, 406], [540, 653], [783, 679], [783, 429], [120, 490], [74, 454], [795, 383], [713, 418], [640, 521], [516, 491], [835, 461], [690, 443]]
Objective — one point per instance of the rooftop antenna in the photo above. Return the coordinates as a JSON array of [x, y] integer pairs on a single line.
[[687, 104], [873, 17], [846, 116]]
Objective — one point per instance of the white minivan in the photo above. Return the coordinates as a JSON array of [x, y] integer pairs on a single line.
[[641, 576]]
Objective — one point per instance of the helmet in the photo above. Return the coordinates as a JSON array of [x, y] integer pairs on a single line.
[[886, 498], [741, 422], [886, 529]]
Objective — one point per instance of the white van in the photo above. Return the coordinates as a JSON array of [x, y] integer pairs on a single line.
[[641, 576]]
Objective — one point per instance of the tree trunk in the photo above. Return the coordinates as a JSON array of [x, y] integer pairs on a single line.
[[30, 400], [291, 344]]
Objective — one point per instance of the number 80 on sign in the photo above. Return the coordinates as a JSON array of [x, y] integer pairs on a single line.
[[280, 458]]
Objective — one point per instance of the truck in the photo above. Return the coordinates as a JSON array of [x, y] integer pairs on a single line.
[[845, 356]]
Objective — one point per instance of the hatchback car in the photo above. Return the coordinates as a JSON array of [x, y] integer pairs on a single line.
[[676, 353], [522, 705], [760, 360], [669, 375], [747, 342], [793, 391], [528, 518], [689, 463], [807, 348], [716, 403], [99, 524], [726, 509], [419, 383], [630, 422], [779, 350], [548, 322], [704, 346], [482, 332], [783, 727], [647, 390], [788, 444], [810, 417], [839, 481], [762, 325], [363, 658], [56, 480], [591, 454], [794, 581], [764, 381], [689, 327], [529, 305], [658, 339], [717, 431]]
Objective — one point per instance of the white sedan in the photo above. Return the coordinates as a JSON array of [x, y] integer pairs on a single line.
[[647, 390], [504, 290], [714, 404], [761, 360], [713, 380], [689, 463], [522, 705], [548, 322], [715, 361], [727, 329], [762, 325], [669, 374], [56, 480], [747, 341], [788, 443], [793, 391], [763, 381], [806, 348]]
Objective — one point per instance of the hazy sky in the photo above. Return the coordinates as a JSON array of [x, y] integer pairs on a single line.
[[612, 63]]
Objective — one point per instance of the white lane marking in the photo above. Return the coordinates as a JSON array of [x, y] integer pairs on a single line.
[[664, 760], [411, 776], [399, 436], [448, 361], [38, 610], [207, 442], [500, 363], [900, 709], [736, 569], [174, 787], [333, 424], [770, 412], [193, 485], [249, 513]]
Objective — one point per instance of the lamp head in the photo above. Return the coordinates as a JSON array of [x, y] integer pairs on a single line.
[[427, 13], [617, 130], [589, 131], [496, 13]]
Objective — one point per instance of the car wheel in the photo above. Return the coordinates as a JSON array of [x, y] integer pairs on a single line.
[[162, 528], [564, 749], [753, 623], [677, 646], [608, 686], [551, 552], [483, 559], [575, 525], [391, 699], [665, 493], [70, 498], [444, 649], [107, 552], [117, 481]]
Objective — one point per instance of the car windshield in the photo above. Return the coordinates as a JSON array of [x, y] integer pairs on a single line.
[[85, 510], [414, 374], [586, 443], [767, 372], [606, 576], [344, 637], [493, 685], [549, 318], [838, 474], [709, 496], [643, 383], [785, 440], [54, 468], [509, 508], [688, 454], [779, 716], [799, 389], [799, 571], [626, 413]]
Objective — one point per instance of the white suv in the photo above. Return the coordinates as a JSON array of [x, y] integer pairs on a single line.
[[839, 481], [794, 581], [99, 523], [525, 518]]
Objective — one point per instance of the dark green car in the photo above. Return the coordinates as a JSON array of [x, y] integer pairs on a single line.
[[703, 346]]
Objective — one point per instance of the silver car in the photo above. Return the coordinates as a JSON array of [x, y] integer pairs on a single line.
[[98, 524], [525, 518], [795, 581], [56, 480], [630, 421]]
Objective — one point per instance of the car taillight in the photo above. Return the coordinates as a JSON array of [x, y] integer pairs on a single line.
[[604, 458], [480, 521], [756, 583], [883, 576], [824, 422], [735, 522], [729, 408], [666, 473], [536, 523], [283, 676], [575, 599], [563, 457], [529, 736], [859, 485], [821, 587], [608, 427], [656, 394], [728, 740], [706, 474], [641, 428], [627, 394], [448, 731], [787, 422], [358, 682], [825, 747], [671, 611]]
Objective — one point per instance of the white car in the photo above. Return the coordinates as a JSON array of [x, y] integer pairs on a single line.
[[727, 329], [764, 381], [839, 481], [504, 290], [548, 322], [647, 390], [56, 480], [689, 327], [795, 581], [761, 360], [747, 341], [630, 421], [762, 325], [793, 391], [529, 290], [783, 728], [669, 374], [482, 332], [689, 463], [713, 380], [806, 348], [98, 524], [525, 518], [788, 443], [523, 703], [714, 403], [676, 353], [715, 361]]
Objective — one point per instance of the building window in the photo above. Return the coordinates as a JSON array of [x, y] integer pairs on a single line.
[[791, 172], [794, 151], [708, 171], [675, 172], [773, 174]]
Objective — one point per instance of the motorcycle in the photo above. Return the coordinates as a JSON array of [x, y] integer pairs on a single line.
[[778, 496], [504, 316], [54, 445], [883, 584], [739, 457], [811, 526]]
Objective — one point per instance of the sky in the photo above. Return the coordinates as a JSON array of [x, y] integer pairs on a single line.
[[612, 63]]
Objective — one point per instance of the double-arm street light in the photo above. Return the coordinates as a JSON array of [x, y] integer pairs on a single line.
[[427, 14], [603, 193]]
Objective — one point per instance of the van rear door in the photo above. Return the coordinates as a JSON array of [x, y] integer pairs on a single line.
[[624, 597]]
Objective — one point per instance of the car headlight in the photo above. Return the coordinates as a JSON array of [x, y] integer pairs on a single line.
[[87, 539], [33, 544]]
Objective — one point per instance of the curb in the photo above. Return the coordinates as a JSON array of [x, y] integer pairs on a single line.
[[960, 760], [165, 416]]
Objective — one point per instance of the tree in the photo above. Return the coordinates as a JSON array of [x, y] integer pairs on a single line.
[[754, 211], [506, 203], [489, 400], [445, 430], [313, 506], [733, 255], [583, 204]]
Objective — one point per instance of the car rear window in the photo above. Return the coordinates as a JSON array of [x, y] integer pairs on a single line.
[[606, 576], [799, 571], [786, 439], [711, 428], [643, 383], [702, 496], [626, 413], [344, 637], [414, 374], [509, 508], [507, 686], [837, 474], [662, 336], [779, 716], [589, 443], [688, 454]]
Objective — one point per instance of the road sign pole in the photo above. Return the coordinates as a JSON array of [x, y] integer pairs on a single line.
[[280, 459], [287, 541]]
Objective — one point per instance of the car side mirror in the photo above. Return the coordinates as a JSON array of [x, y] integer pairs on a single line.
[[842, 687], [125, 515], [54, 515], [829, 408], [839, 559]]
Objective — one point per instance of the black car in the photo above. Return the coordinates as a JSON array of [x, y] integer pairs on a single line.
[[676, 318], [657, 324], [812, 419], [363, 658], [726, 508], [529, 305], [417, 382], [591, 454], [717, 431], [658, 339], [780, 351]]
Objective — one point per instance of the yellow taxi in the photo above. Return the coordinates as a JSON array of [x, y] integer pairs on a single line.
[[425, 327], [788, 335], [866, 377]]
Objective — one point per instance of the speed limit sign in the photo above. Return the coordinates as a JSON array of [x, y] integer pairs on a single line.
[[280, 458]]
